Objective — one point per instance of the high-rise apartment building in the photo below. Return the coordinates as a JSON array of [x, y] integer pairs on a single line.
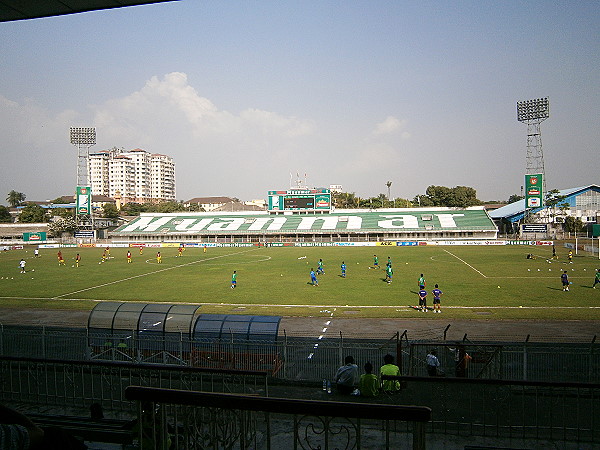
[[136, 175]]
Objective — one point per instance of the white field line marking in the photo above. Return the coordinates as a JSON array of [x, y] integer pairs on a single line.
[[269, 305], [150, 273], [466, 263]]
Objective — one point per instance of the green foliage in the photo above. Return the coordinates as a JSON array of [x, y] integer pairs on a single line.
[[167, 207], [5, 216], [194, 207], [133, 209], [64, 212], [515, 198], [552, 199], [62, 225], [573, 224], [456, 197], [345, 200], [33, 213], [110, 211], [15, 198]]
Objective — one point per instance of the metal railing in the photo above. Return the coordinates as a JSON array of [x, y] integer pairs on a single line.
[[172, 419], [72, 386], [309, 359], [559, 412]]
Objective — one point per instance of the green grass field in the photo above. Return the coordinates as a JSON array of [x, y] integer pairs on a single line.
[[478, 282]]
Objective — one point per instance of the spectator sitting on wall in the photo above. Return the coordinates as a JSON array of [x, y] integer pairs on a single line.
[[346, 377], [369, 383]]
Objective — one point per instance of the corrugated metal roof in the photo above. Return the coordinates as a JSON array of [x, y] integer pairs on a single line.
[[517, 209], [11, 10]]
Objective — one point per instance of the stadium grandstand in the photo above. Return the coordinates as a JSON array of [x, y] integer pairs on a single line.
[[342, 226], [580, 202]]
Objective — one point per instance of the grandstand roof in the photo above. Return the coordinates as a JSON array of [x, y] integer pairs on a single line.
[[515, 211], [32, 9], [343, 221]]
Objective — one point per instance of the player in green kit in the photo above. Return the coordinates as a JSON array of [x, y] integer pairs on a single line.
[[388, 273], [320, 270], [375, 262], [234, 280]]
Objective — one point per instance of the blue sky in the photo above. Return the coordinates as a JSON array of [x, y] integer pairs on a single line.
[[355, 93]]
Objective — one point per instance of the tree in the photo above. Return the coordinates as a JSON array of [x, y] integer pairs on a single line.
[[456, 197], [573, 224], [33, 213], [422, 200], [15, 198], [344, 200], [553, 200], [62, 225], [5, 216], [133, 209], [439, 195], [168, 207], [64, 212], [514, 198], [464, 196], [110, 211], [194, 207]]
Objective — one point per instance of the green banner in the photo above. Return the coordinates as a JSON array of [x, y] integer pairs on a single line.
[[33, 237], [534, 191], [84, 200]]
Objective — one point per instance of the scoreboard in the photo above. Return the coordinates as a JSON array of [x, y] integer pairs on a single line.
[[300, 200]]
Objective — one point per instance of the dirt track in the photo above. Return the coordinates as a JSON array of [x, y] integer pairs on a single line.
[[418, 328]]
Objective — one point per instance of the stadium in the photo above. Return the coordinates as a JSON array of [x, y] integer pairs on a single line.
[[134, 351]]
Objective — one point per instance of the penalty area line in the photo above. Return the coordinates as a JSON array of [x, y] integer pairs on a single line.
[[466, 263]]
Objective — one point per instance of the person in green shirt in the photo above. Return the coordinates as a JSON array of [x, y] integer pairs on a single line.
[[389, 368], [320, 270], [388, 274], [597, 279], [234, 280], [421, 282], [368, 385], [375, 262]]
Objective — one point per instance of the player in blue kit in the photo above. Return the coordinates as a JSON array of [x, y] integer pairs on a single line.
[[313, 277], [565, 281], [343, 266], [437, 293], [423, 300]]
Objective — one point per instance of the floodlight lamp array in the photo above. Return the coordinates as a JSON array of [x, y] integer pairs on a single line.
[[533, 109], [83, 136]]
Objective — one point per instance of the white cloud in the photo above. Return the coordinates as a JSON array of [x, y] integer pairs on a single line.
[[391, 125]]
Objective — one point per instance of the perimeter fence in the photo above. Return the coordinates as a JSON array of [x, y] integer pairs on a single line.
[[307, 359]]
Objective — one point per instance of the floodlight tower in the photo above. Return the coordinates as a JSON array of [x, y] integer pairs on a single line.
[[83, 138], [533, 113]]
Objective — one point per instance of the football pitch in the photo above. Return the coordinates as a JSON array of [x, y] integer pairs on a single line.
[[478, 282]]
